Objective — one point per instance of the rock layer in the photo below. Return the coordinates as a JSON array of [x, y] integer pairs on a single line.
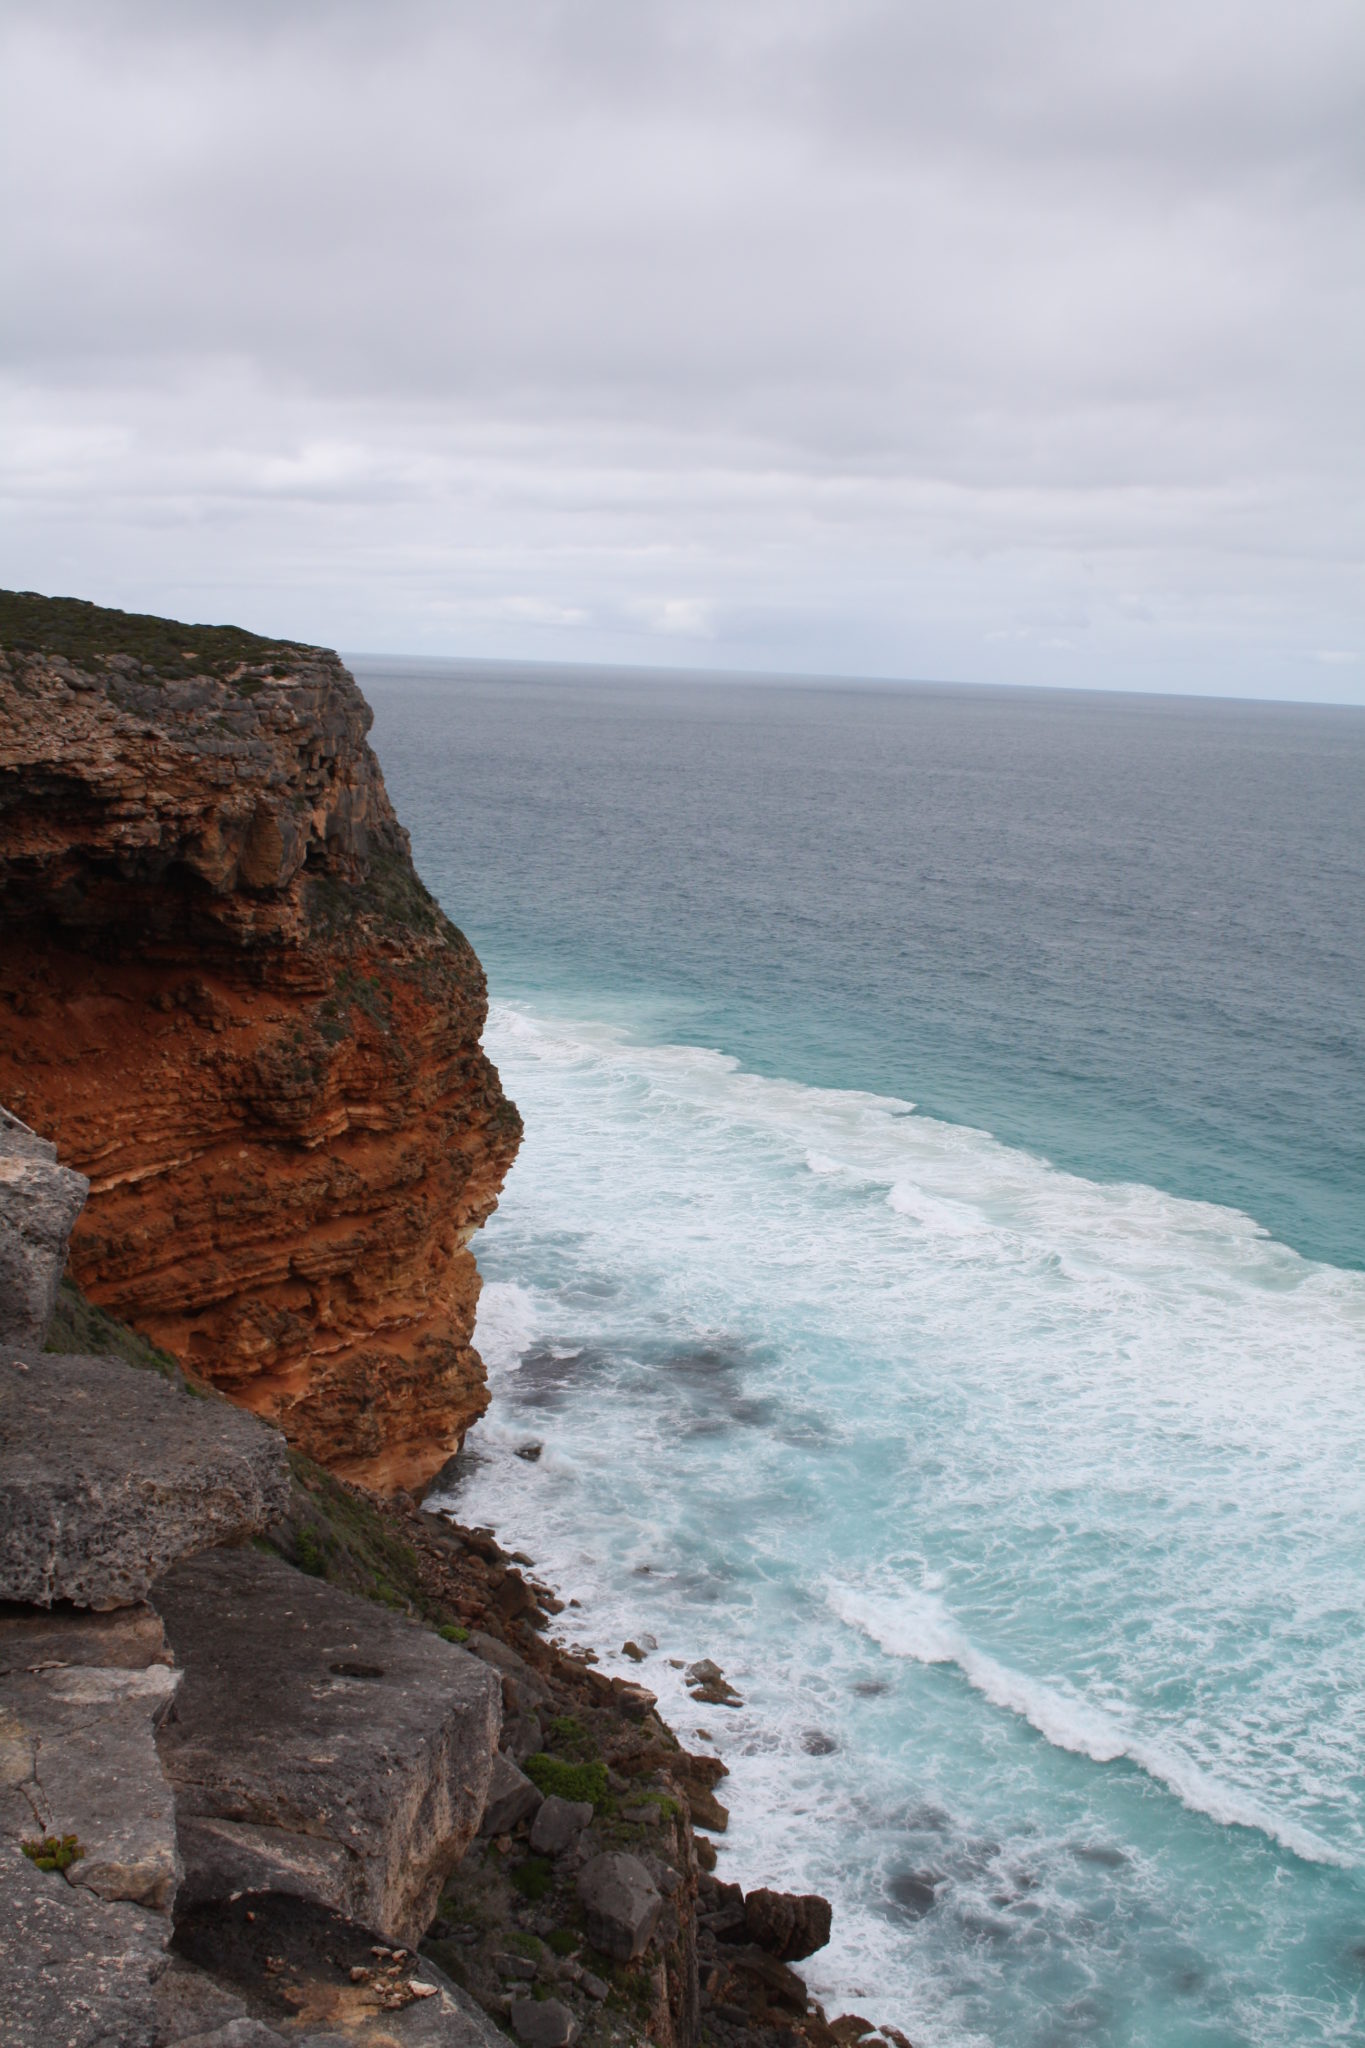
[[111, 1474], [226, 996]]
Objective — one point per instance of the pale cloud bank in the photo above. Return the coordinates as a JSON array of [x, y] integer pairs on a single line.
[[1002, 342]]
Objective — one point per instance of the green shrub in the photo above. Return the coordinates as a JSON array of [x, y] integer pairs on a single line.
[[453, 1633], [551, 1775], [533, 1878], [54, 1852]]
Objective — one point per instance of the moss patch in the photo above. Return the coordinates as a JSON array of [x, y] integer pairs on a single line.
[[78, 1326], [54, 1852], [553, 1776]]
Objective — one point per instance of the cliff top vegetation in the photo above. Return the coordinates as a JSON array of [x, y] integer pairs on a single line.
[[82, 632]]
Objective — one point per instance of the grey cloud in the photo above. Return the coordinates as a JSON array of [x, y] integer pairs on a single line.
[[587, 325]]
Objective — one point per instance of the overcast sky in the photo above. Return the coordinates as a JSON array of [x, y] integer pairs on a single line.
[[1007, 340]]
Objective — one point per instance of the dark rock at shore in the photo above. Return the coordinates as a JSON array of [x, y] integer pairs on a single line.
[[319, 1745], [787, 1925]]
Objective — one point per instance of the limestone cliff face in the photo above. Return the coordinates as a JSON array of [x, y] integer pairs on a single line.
[[227, 997]]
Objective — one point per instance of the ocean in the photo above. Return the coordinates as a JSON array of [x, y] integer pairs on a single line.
[[935, 1277]]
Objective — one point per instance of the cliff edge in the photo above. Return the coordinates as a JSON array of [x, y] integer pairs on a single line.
[[227, 997]]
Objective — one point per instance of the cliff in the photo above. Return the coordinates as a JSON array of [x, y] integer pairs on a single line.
[[228, 999]]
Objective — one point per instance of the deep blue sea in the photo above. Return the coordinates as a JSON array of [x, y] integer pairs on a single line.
[[935, 1271]]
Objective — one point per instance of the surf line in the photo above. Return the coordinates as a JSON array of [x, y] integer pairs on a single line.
[[918, 1628]]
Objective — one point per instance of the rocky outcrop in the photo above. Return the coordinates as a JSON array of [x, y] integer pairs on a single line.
[[111, 1474], [226, 996], [319, 1745], [39, 1203], [788, 1925]]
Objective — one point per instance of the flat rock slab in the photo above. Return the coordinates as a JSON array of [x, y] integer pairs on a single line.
[[78, 1757], [108, 1474], [319, 1746], [75, 1972], [39, 1202]]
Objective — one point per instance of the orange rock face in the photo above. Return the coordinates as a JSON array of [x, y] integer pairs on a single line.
[[228, 998]]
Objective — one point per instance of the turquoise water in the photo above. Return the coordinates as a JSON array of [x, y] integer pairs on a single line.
[[934, 1273]]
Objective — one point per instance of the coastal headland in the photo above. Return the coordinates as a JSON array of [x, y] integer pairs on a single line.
[[286, 1758]]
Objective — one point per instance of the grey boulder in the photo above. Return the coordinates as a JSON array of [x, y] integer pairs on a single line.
[[558, 1823], [543, 2023], [511, 1797], [621, 1905], [319, 1746], [39, 1203], [109, 1473]]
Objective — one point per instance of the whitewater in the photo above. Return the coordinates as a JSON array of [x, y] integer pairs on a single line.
[[1014, 1484], [975, 1476]]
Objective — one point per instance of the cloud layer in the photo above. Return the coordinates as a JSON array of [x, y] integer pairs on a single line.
[[993, 342]]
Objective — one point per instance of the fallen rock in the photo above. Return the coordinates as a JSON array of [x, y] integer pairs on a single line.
[[543, 2023], [39, 1203], [621, 1905], [319, 1746], [557, 1824], [111, 1473], [708, 1684], [511, 1797], [788, 1925]]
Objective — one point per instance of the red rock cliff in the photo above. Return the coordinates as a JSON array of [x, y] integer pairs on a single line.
[[226, 995]]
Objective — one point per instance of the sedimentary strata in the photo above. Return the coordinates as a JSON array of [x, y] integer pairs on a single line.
[[227, 997]]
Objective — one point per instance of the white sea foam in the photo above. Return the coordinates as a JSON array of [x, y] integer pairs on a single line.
[[919, 1626], [778, 1338]]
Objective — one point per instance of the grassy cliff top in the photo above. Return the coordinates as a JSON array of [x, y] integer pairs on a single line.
[[83, 632]]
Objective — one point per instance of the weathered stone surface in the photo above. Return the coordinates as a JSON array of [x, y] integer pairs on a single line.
[[230, 1001], [558, 1822], [543, 2023], [75, 1972], [511, 1797], [191, 2007], [788, 1925], [41, 1638], [320, 1978], [621, 1905], [39, 1203], [319, 1746], [78, 1756], [109, 1474]]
